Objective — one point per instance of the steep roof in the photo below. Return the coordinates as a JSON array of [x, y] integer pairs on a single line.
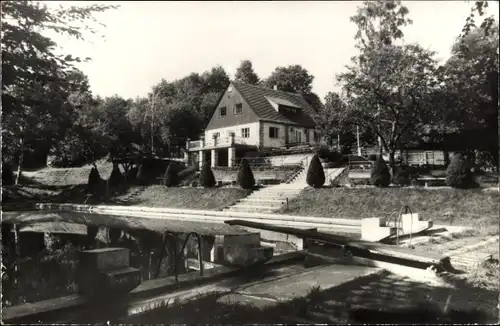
[[258, 99]]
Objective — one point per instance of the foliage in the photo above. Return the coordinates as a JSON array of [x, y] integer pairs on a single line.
[[132, 174], [207, 178], [387, 88], [402, 176], [182, 108], [93, 181], [315, 174], [459, 174], [170, 178], [380, 175], [37, 82], [329, 155], [488, 23], [470, 90], [116, 177], [7, 175], [294, 79], [245, 176], [141, 175], [246, 74]]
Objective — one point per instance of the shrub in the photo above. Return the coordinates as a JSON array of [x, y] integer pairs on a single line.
[[458, 174], [94, 180], [141, 175], [194, 184], [7, 175], [245, 176], [132, 175], [315, 175], [323, 151], [170, 176], [116, 177], [402, 176], [380, 175], [372, 157], [207, 178], [186, 172]]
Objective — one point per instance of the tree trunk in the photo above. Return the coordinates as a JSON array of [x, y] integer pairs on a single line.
[[21, 158], [392, 163]]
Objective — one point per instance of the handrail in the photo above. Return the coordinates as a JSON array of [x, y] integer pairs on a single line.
[[176, 254], [398, 222]]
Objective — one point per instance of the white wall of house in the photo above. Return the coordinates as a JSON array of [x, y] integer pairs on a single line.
[[253, 138], [273, 142]]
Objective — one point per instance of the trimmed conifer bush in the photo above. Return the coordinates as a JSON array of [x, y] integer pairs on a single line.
[[315, 175], [94, 180], [207, 178], [132, 174], [7, 175], [116, 177], [458, 174], [380, 175], [245, 178], [170, 176], [402, 176], [141, 175]]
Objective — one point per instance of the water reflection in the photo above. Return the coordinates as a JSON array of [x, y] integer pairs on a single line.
[[40, 259]]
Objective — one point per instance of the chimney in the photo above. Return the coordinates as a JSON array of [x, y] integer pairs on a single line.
[[275, 87]]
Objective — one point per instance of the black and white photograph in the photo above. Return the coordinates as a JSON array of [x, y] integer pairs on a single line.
[[250, 162]]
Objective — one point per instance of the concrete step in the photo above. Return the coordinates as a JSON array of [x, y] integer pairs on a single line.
[[417, 227], [267, 197], [379, 233], [272, 205], [252, 209], [259, 200], [280, 191]]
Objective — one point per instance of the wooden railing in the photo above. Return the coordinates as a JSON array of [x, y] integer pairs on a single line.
[[219, 142]]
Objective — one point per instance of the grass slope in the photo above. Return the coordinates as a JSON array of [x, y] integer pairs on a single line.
[[468, 207], [188, 198]]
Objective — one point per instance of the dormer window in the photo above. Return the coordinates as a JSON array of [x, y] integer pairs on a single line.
[[222, 111], [238, 108]]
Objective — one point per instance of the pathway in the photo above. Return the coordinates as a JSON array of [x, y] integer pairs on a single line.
[[274, 198]]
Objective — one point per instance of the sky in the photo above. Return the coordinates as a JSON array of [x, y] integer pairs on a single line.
[[147, 41]]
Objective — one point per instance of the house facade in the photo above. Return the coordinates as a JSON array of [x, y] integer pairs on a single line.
[[251, 118]]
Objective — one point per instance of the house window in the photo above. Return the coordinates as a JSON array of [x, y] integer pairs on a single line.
[[238, 108], [245, 132], [273, 132], [223, 111]]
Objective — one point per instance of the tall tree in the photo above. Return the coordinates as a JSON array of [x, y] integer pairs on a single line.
[[294, 79], [387, 87], [470, 90], [246, 74], [30, 64]]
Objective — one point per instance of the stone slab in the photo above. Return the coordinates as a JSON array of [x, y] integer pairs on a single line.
[[245, 256], [242, 239], [299, 285], [103, 259], [109, 283]]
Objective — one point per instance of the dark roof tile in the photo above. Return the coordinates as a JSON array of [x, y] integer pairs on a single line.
[[255, 96]]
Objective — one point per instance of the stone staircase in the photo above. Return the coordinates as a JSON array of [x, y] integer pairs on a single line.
[[273, 198]]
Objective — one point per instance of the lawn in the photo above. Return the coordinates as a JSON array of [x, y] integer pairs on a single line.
[[444, 206], [188, 198]]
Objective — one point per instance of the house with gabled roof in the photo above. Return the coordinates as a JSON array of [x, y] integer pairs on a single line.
[[249, 118]]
